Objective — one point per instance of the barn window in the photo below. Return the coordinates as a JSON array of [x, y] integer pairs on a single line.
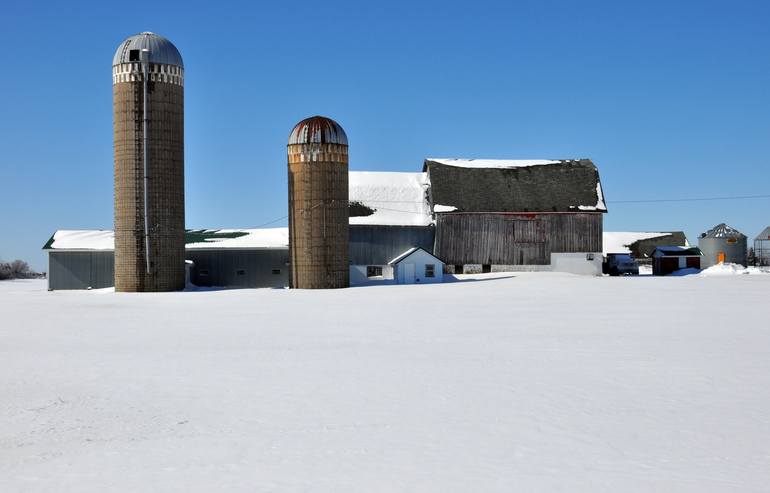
[[373, 271], [276, 272], [240, 272], [133, 55], [429, 272]]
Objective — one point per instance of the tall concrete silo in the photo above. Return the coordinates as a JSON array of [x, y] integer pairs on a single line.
[[148, 106], [318, 205], [722, 244]]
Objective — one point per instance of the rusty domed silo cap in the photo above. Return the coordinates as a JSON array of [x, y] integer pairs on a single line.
[[318, 130], [161, 50]]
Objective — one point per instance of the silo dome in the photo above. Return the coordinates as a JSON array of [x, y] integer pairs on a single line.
[[161, 50], [318, 130]]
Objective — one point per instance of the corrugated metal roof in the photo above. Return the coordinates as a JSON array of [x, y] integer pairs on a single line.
[[764, 235], [161, 49], [318, 130], [723, 231]]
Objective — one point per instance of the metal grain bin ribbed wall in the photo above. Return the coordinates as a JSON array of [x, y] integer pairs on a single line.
[[149, 249], [722, 243], [762, 248], [318, 205]]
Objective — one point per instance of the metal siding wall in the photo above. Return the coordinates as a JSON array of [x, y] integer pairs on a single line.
[[377, 245], [69, 270], [102, 269], [223, 266]]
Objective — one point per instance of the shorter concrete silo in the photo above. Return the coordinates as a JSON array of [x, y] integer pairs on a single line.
[[722, 244], [318, 205]]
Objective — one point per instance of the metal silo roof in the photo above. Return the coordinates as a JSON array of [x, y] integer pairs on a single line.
[[723, 231], [764, 235], [161, 49], [318, 130]]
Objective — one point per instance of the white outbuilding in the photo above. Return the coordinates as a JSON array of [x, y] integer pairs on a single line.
[[417, 266]]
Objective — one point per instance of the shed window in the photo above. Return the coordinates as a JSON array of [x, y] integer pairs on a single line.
[[276, 272], [240, 272], [429, 272], [373, 271]]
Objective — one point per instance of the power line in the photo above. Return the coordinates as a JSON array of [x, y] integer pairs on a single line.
[[694, 199]]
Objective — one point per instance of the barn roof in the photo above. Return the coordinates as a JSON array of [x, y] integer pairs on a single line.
[[195, 239], [408, 253], [389, 199], [640, 243], [492, 185], [677, 251]]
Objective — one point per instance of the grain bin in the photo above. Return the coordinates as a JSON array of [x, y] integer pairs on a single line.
[[722, 244], [762, 248], [318, 205], [148, 106]]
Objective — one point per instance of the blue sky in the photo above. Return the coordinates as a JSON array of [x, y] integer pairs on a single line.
[[669, 99]]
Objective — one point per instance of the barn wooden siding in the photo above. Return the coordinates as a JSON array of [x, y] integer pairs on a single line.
[[378, 245], [514, 239]]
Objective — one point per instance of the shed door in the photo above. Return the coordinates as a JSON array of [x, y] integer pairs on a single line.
[[408, 270]]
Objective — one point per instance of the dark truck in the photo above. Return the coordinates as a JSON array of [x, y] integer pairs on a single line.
[[620, 264]]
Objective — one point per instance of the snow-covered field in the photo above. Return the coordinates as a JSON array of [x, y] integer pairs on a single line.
[[527, 382]]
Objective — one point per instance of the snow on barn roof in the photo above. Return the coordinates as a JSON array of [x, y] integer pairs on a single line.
[[492, 185], [195, 239], [409, 252], [627, 241], [389, 198], [202, 239], [492, 163], [81, 239], [676, 251]]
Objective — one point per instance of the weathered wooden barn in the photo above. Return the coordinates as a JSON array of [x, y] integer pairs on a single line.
[[514, 215]]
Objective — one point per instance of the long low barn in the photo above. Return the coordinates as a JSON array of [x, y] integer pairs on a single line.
[[83, 259]]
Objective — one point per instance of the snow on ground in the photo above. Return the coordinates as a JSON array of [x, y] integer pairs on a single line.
[[730, 269], [515, 382]]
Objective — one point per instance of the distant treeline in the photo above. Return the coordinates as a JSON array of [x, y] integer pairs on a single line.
[[18, 269]]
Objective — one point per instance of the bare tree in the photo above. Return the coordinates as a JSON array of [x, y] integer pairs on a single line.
[[5, 271]]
